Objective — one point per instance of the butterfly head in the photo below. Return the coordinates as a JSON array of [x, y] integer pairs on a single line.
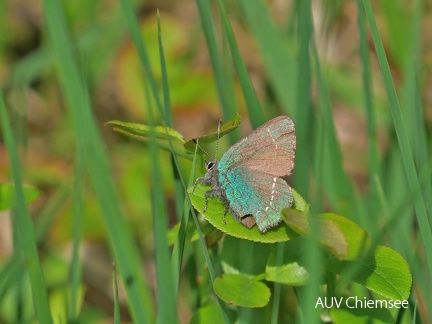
[[211, 165], [212, 175]]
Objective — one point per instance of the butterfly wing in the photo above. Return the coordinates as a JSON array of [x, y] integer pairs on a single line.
[[269, 149], [256, 193]]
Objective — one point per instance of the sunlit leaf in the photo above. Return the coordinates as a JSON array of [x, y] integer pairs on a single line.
[[288, 271], [361, 315], [341, 236], [159, 132], [238, 289], [209, 314], [386, 273], [205, 140], [215, 211]]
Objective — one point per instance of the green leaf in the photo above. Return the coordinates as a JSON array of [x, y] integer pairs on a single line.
[[386, 273], [298, 202], [240, 290], [288, 272], [361, 315], [210, 314], [357, 239], [163, 135], [230, 225], [340, 236], [141, 130], [205, 140], [7, 195]]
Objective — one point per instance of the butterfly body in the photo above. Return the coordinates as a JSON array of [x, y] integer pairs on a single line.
[[248, 178]]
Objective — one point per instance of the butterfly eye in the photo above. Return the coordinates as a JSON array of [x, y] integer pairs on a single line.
[[210, 165]]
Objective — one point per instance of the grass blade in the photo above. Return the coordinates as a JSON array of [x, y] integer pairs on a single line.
[[23, 224], [279, 59], [374, 161], [166, 301], [116, 297], [75, 273], [134, 29], [89, 143], [405, 147], [255, 113], [208, 27], [304, 113]]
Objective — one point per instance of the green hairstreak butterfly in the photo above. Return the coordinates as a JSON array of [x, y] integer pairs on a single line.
[[249, 178]]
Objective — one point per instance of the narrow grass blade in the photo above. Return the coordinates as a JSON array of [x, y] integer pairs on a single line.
[[166, 301], [411, 98], [177, 254], [23, 224], [75, 273], [116, 297], [304, 114], [405, 147], [277, 285], [255, 113], [178, 186], [13, 269], [279, 59], [336, 182], [10, 273], [135, 31], [90, 144], [374, 164], [208, 27]]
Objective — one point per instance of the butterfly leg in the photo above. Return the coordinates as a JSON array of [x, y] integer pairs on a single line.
[[196, 183], [206, 204], [210, 193]]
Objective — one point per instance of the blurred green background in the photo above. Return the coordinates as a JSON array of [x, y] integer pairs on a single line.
[[68, 67]]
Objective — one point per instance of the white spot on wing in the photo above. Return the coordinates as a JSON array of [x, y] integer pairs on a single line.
[[272, 193]]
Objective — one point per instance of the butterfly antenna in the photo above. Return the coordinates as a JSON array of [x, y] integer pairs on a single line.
[[217, 142], [196, 142]]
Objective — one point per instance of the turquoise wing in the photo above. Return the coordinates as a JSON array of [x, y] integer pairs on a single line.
[[256, 193]]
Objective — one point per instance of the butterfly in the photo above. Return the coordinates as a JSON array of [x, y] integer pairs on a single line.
[[249, 178]]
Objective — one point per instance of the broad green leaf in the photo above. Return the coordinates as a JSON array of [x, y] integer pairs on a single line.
[[240, 290], [386, 273], [231, 226], [209, 314], [7, 195], [360, 315], [205, 140], [289, 271], [356, 238], [339, 235], [291, 274]]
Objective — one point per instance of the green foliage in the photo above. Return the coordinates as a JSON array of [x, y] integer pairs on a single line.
[[240, 290], [359, 226], [230, 225], [7, 195], [385, 273]]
